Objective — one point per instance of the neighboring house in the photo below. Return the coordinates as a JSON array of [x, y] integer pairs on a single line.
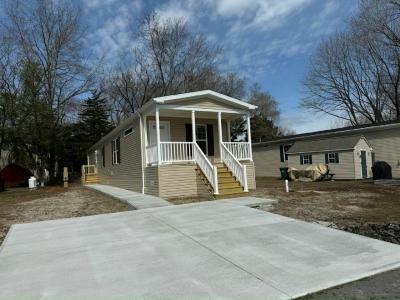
[[348, 157], [178, 146], [15, 175], [383, 140]]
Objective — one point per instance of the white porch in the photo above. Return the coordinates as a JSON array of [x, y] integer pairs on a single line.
[[178, 134]]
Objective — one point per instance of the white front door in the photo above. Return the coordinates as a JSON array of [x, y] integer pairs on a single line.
[[165, 135]]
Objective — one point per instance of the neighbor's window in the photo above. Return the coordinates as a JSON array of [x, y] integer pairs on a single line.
[[305, 159], [128, 131], [332, 158], [283, 151], [116, 151]]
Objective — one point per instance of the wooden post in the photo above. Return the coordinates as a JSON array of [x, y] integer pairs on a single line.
[[65, 177]]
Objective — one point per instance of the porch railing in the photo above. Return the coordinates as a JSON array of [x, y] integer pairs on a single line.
[[89, 170], [208, 169], [183, 152], [237, 169], [240, 150], [176, 151]]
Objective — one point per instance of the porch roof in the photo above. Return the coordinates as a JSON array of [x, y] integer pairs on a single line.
[[205, 94]]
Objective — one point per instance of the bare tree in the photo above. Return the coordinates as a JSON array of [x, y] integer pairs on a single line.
[[168, 59], [355, 75], [46, 37]]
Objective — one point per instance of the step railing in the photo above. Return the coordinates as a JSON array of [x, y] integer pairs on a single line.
[[208, 169], [238, 170], [240, 150]]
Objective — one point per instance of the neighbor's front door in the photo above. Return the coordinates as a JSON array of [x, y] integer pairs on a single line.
[[364, 171], [165, 135]]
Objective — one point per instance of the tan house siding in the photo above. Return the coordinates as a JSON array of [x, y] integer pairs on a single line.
[[206, 103], [343, 170], [268, 161], [251, 174], [127, 174], [151, 186], [181, 180], [386, 146]]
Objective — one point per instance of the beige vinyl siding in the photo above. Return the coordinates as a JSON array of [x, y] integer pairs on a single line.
[[362, 145], [206, 103], [386, 146], [181, 180], [343, 170], [151, 186], [127, 174], [267, 161], [251, 174]]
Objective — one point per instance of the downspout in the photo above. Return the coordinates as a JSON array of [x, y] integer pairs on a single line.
[[143, 151]]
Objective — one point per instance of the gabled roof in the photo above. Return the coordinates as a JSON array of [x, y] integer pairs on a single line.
[[205, 94], [327, 144], [348, 130]]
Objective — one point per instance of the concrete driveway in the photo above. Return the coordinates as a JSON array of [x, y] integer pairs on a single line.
[[211, 250]]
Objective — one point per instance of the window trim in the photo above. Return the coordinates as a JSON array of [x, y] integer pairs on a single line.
[[116, 153], [129, 133], [332, 158], [309, 159]]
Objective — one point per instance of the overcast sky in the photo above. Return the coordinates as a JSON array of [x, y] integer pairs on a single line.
[[268, 41]]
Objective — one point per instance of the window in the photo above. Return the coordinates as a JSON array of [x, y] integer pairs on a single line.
[[128, 131], [332, 158], [201, 138], [103, 157], [305, 159], [283, 150], [116, 151]]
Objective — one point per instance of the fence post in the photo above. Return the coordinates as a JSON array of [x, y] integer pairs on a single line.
[[246, 188], [215, 173]]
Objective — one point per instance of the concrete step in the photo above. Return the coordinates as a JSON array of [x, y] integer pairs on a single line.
[[234, 195]]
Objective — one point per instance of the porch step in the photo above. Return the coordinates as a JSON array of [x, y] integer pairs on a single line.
[[228, 186], [91, 179]]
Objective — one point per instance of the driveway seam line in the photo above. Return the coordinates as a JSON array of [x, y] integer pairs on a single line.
[[219, 255]]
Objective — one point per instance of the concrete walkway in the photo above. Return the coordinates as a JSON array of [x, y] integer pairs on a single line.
[[136, 200], [210, 250]]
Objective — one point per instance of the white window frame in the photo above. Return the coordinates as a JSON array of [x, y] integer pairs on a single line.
[[127, 134], [206, 138], [332, 158], [308, 158], [115, 151]]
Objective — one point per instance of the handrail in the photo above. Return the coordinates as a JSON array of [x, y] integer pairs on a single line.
[[241, 150], [208, 169], [237, 169]]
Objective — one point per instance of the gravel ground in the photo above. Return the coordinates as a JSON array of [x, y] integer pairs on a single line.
[[24, 206], [355, 206]]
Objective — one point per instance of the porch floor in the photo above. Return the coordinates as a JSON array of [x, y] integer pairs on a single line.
[[136, 200]]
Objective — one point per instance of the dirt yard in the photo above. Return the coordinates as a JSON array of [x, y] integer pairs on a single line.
[[24, 206], [357, 206]]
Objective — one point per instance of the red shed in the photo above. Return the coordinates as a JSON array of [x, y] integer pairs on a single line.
[[15, 175]]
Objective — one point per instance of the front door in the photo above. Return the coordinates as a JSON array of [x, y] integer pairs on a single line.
[[165, 135], [204, 137], [364, 171]]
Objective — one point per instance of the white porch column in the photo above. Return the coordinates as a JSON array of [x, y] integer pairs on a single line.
[[193, 127], [228, 128], [219, 132], [158, 135], [249, 136], [145, 139]]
